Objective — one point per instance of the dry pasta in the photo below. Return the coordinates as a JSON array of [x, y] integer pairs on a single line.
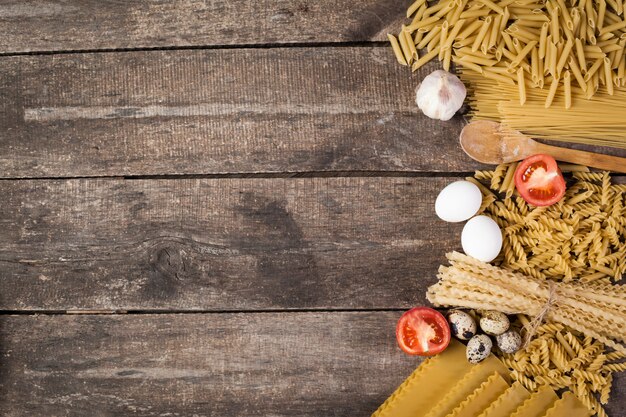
[[558, 356], [561, 361], [598, 121], [545, 39], [580, 242], [590, 223]]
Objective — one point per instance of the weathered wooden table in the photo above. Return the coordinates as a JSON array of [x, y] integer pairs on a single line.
[[212, 208]]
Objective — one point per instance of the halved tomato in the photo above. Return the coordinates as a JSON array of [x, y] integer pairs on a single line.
[[539, 180], [423, 331]]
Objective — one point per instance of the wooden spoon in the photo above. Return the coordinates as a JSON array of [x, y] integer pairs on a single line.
[[489, 143]]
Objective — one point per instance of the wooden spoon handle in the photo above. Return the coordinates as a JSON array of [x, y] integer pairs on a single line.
[[596, 160]]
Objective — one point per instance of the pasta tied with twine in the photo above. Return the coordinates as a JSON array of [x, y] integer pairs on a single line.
[[597, 310], [533, 325]]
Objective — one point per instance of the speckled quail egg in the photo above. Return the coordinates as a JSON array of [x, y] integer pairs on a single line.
[[478, 348], [462, 325], [509, 341], [494, 323]]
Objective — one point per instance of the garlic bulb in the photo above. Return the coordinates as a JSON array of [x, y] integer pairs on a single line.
[[440, 95]]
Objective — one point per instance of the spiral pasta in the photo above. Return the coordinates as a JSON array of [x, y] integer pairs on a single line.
[[565, 360], [583, 237]]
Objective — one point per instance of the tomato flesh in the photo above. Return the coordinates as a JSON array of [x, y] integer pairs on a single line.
[[539, 180], [423, 331]]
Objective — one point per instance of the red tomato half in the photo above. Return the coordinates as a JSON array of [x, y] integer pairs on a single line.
[[539, 180], [423, 331]]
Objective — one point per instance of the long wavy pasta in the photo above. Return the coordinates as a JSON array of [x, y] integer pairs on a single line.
[[570, 349]]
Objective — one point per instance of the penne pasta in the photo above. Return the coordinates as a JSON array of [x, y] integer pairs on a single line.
[[498, 77], [619, 55], [621, 68], [443, 35], [600, 16], [492, 6], [495, 32], [567, 89], [574, 47], [411, 45], [470, 29], [465, 64], [554, 24], [404, 45], [456, 16], [535, 24], [543, 43], [426, 40], [482, 33], [523, 53], [521, 85], [464, 42], [582, 28], [580, 53], [594, 68], [552, 92], [553, 56], [608, 76], [397, 51], [573, 65], [424, 59], [591, 14], [453, 34], [612, 28], [505, 19], [474, 13], [422, 23], [565, 54], [447, 56], [434, 42], [499, 49], [414, 7], [534, 65], [564, 11], [478, 60]]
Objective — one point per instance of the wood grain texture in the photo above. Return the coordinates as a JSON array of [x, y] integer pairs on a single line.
[[56, 25], [283, 364], [218, 111], [279, 364], [220, 244]]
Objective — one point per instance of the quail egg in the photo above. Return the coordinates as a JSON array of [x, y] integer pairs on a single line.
[[494, 323], [509, 341], [478, 348], [462, 325]]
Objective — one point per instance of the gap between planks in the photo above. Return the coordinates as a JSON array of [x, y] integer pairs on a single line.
[[271, 175], [192, 312], [347, 44], [260, 175]]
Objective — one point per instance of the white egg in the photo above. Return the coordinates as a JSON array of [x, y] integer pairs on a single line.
[[458, 201], [481, 238]]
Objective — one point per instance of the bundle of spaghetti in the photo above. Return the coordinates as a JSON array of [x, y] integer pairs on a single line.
[[582, 237], [561, 358], [598, 120], [549, 44], [596, 310]]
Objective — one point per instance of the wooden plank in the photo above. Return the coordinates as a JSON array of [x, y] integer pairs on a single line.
[[279, 364], [218, 111], [220, 244], [305, 364], [53, 25]]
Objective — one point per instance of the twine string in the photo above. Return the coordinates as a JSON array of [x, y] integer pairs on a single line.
[[533, 325]]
